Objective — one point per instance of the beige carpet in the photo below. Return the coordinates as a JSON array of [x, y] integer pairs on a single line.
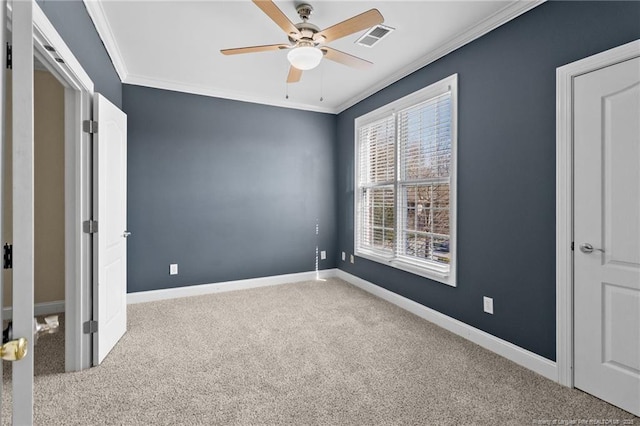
[[310, 353]]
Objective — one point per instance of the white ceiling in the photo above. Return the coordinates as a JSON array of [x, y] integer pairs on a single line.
[[176, 45]]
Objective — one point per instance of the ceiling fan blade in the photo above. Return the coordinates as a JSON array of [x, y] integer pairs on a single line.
[[254, 49], [352, 25], [277, 16], [294, 75], [345, 58]]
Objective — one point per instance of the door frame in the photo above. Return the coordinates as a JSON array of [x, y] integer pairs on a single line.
[[78, 95], [22, 155], [4, 36], [564, 198]]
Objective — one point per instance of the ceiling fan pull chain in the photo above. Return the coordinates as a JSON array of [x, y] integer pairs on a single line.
[[321, 82]]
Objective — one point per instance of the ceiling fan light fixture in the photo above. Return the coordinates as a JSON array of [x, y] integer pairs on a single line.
[[305, 57]]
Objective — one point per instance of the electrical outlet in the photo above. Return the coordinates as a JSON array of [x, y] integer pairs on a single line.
[[323, 255], [352, 259], [344, 256], [173, 269], [488, 304]]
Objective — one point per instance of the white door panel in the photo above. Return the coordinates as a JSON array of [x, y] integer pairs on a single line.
[[23, 206], [622, 175], [3, 97], [110, 210], [607, 216]]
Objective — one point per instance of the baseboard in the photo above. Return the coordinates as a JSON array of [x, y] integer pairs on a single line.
[[44, 308], [514, 353], [501, 347], [198, 290]]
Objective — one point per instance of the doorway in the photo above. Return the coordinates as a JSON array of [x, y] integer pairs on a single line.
[[34, 37], [598, 231], [61, 196]]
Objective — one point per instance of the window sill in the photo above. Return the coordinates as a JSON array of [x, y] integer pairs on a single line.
[[432, 274]]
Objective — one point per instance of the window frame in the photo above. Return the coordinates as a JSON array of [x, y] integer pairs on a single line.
[[424, 268]]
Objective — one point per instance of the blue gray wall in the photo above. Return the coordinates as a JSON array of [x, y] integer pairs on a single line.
[[506, 163], [71, 19], [231, 190], [228, 190]]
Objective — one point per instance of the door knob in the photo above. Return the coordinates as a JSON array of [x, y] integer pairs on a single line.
[[14, 350], [126, 234], [588, 248]]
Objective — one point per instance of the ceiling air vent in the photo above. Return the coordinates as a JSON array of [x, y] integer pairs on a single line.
[[374, 35]]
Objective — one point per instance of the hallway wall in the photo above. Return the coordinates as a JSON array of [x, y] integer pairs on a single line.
[[49, 189]]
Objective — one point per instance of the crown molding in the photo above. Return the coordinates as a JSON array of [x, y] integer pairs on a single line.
[[511, 11], [138, 80], [501, 17], [97, 15]]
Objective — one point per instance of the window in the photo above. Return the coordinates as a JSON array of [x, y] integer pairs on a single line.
[[405, 182]]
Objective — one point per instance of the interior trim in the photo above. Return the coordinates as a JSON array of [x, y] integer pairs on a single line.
[[44, 308], [511, 11], [97, 15], [202, 289], [520, 356], [504, 15], [138, 80], [564, 196], [78, 92]]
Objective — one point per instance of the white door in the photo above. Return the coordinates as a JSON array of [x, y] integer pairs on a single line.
[[3, 91], [607, 233], [110, 241], [23, 206]]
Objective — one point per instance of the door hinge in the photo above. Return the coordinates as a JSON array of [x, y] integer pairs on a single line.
[[9, 58], [8, 256], [89, 126], [90, 327], [90, 226], [572, 243]]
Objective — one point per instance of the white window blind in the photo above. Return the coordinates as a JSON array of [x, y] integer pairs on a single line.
[[377, 179], [424, 138], [405, 195]]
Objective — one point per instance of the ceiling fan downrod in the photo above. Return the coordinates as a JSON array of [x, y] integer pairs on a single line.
[[304, 11]]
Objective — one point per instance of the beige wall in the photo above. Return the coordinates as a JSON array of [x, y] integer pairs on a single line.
[[49, 189]]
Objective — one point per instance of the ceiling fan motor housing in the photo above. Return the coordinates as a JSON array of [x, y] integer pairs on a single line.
[[307, 30]]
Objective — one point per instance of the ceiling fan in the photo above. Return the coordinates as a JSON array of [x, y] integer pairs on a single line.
[[307, 43]]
